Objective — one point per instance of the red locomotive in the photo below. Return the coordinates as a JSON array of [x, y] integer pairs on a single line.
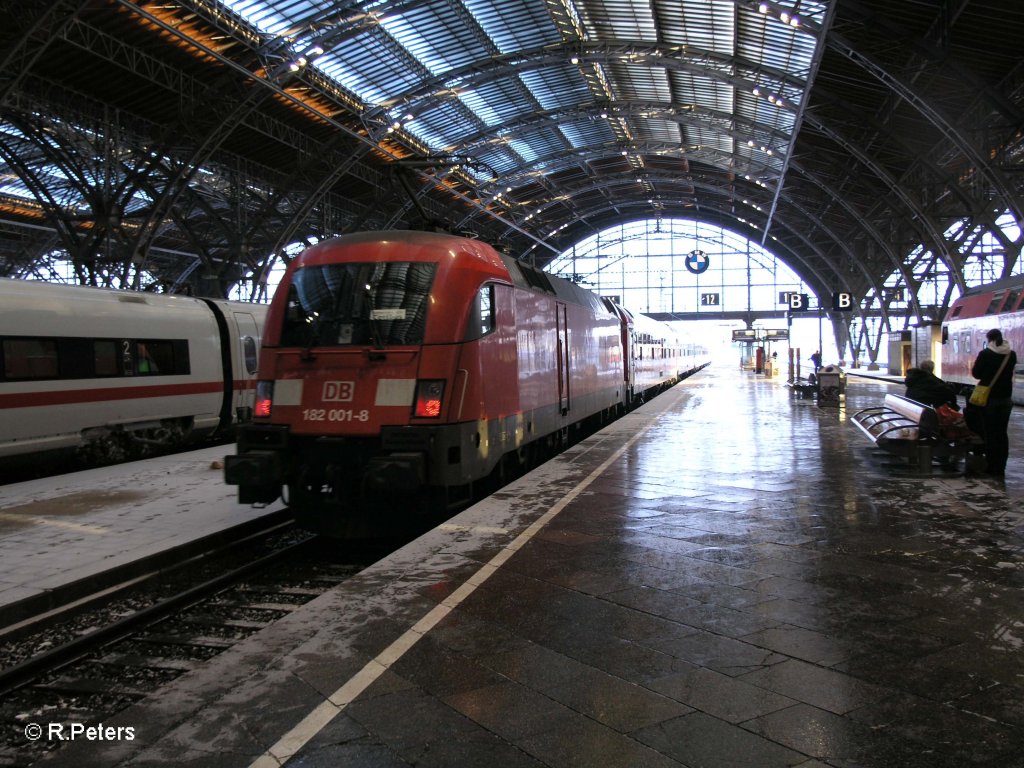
[[996, 305], [428, 363]]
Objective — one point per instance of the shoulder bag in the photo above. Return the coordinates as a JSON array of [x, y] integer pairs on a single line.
[[981, 392]]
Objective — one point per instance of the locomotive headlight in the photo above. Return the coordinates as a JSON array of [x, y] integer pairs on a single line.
[[429, 396], [264, 399]]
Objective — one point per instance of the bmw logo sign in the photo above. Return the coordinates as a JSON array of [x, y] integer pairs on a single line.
[[697, 262]]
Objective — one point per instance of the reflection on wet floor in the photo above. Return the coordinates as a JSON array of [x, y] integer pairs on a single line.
[[750, 586]]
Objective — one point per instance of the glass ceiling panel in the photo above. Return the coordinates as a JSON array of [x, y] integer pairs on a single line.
[[495, 103], [372, 69], [640, 82], [588, 134], [514, 25], [270, 18], [435, 37], [619, 20], [556, 87], [709, 26], [658, 130]]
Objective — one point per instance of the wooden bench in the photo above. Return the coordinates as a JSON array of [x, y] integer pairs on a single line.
[[907, 428]]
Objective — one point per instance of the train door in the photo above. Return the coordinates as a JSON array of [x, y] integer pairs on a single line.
[[562, 352], [245, 356]]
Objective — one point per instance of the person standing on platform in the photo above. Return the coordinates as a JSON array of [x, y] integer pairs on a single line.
[[816, 359], [996, 417]]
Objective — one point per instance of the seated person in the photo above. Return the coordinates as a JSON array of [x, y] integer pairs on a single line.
[[925, 387]]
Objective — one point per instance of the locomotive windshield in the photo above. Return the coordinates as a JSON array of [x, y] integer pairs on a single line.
[[379, 303]]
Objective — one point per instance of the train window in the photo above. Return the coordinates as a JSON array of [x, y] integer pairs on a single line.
[[30, 359], [359, 303], [486, 299], [249, 354], [155, 358], [1011, 300], [997, 300], [965, 342], [481, 320], [104, 355]]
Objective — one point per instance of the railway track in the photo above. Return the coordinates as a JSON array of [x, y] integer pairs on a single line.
[[88, 664]]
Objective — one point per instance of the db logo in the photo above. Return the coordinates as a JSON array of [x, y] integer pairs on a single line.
[[338, 391]]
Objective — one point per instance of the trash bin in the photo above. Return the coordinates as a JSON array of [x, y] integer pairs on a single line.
[[831, 386]]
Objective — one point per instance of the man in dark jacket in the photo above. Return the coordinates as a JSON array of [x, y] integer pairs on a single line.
[[924, 386], [997, 354]]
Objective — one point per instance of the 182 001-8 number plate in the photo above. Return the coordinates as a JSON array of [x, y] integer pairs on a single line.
[[335, 414]]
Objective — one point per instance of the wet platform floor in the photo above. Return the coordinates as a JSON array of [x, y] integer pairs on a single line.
[[726, 577]]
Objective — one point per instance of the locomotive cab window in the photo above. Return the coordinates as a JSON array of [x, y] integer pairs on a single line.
[[481, 314], [382, 303]]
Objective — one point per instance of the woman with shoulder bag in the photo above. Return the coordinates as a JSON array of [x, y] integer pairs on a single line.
[[994, 369]]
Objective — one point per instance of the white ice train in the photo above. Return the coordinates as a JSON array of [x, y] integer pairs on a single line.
[[89, 367]]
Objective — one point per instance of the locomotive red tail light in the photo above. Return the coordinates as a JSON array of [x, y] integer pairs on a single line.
[[264, 399], [429, 395]]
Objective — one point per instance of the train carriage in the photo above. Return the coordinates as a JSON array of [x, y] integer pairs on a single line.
[[84, 366], [424, 363], [996, 305]]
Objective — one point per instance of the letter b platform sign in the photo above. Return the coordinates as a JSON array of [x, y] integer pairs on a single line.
[[799, 302], [842, 301]]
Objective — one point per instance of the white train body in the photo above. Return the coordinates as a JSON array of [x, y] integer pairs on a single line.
[[78, 364]]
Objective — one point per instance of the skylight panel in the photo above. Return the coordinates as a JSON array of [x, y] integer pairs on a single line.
[[496, 103], [265, 17], [634, 81], [435, 37], [660, 131], [452, 120], [621, 20], [590, 133], [556, 88], [709, 26], [514, 25], [506, 159], [539, 144], [13, 187], [702, 90], [366, 66]]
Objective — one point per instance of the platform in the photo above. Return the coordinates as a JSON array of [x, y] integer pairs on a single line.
[[725, 577], [58, 531]]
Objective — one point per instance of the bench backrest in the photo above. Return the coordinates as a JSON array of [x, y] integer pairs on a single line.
[[924, 415]]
